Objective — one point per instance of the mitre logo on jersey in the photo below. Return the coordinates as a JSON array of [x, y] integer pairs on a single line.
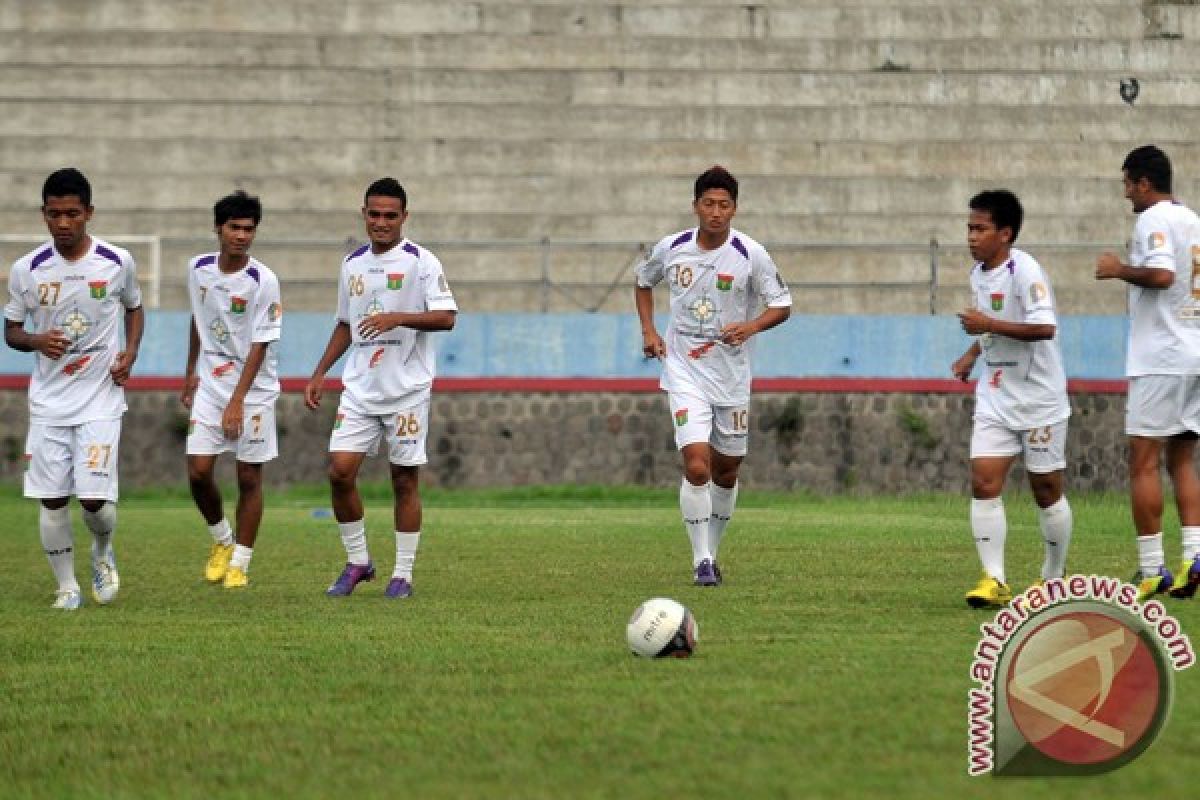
[[221, 370], [1076, 679], [1156, 240], [395, 280], [681, 418], [724, 282], [74, 367], [997, 301], [237, 305], [99, 289]]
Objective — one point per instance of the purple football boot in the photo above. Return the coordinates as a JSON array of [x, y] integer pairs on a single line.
[[398, 588], [351, 576], [705, 576]]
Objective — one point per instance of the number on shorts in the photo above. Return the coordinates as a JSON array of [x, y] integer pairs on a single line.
[[739, 419], [1041, 435], [257, 420], [407, 424], [98, 455]]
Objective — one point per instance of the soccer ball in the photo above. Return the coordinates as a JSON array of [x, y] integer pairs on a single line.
[[662, 627]]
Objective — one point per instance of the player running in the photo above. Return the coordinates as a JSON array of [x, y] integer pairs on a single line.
[[719, 279]]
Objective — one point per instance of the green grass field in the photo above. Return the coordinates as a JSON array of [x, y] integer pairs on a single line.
[[832, 663]]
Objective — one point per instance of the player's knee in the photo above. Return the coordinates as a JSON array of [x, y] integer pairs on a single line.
[[341, 478], [249, 478], [986, 487], [198, 475]]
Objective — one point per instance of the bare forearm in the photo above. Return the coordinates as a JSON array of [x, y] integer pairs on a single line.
[[427, 320], [1147, 277], [193, 349], [16, 337], [254, 362], [135, 325], [643, 299], [339, 342], [770, 318], [1021, 331]]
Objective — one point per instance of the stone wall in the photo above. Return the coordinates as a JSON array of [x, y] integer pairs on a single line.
[[820, 442]]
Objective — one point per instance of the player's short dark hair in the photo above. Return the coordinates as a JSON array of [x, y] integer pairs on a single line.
[[387, 187], [1151, 163], [238, 205], [715, 177], [66, 182], [1004, 208]]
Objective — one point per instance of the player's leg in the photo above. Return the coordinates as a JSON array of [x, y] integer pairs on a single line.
[[95, 476], [1152, 415], [406, 454], [730, 439], [354, 437], [1181, 466], [205, 441], [693, 430], [994, 447], [257, 445], [1045, 463], [48, 455]]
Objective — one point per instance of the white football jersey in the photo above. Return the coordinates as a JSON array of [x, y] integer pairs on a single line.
[[233, 311], [709, 290], [389, 373], [1023, 384], [86, 300], [1164, 324]]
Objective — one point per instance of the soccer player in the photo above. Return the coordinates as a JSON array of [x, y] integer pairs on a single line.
[[230, 383], [79, 292], [1021, 405], [1163, 366], [392, 295], [719, 279]]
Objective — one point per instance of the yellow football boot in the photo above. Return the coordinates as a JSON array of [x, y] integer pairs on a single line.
[[236, 578], [989, 593], [218, 562]]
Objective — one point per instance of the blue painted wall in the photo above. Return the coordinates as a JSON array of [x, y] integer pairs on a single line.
[[609, 346]]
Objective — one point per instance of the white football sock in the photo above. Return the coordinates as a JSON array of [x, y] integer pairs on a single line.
[[723, 502], [990, 528], [1150, 554], [54, 525], [241, 557], [1056, 522], [406, 554], [1191, 543], [354, 539], [101, 523], [696, 505], [221, 532]]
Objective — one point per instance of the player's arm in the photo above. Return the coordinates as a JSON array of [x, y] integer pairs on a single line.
[[235, 412], [652, 343], [975, 322], [52, 344], [191, 381], [1109, 266], [339, 342], [737, 333], [961, 368], [135, 324], [439, 320]]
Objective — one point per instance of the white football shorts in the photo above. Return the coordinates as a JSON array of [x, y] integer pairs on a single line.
[[78, 460], [1162, 405], [1044, 449], [258, 444], [726, 428], [404, 432]]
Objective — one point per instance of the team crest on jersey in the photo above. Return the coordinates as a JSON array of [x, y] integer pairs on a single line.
[[274, 312], [997, 301], [74, 367], [681, 418], [218, 330], [703, 310], [724, 282], [99, 289], [237, 305], [376, 357], [1156, 240], [395, 280], [75, 324]]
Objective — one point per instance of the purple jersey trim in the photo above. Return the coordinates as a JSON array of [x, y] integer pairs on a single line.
[[409, 247], [101, 250], [682, 238], [41, 258], [253, 273], [741, 248], [358, 252], [204, 261]]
